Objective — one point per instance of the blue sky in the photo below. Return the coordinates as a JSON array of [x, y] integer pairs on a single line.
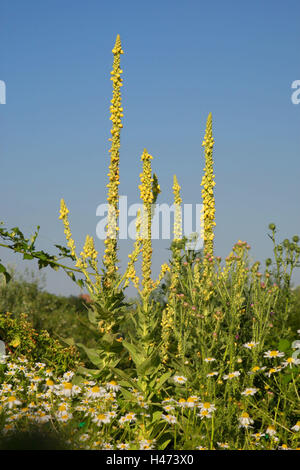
[[182, 60]]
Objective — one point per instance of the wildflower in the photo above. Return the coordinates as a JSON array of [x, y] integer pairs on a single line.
[[84, 437], [182, 402], [207, 192], [290, 361], [50, 384], [129, 417], [110, 253], [147, 444], [95, 392], [201, 448], [231, 375], [112, 385], [66, 389], [40, 365], [11, 402], [284, 447], [212, 374], [68, 375], [273, 370], [209, 359], [191, 401], [296, 427], [210, 407], [271, 431], [249, 391], [101, 418], [123, 446], [223, 445], [245, 420], [204, 413], [106, 446], [250, 345], [64, 417], [42, 417], [62, 408], [271, 354], [179, 379], [168, 408], [169, 418]]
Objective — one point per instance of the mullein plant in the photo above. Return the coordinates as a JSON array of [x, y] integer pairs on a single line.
[[168, 315], [208, 216], [110, 254]]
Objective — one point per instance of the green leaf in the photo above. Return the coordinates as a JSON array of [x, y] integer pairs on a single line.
[[156, 416], [284, 345], [164, 444], [163, 379]]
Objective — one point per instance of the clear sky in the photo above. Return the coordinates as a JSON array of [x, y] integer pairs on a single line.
[[182, 60]]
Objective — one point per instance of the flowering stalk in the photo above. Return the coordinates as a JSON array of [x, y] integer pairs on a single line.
[[147, 198], [168, 314], [88, 249], [207, 191], [110, 254]]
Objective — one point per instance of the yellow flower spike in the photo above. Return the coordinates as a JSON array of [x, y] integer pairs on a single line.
[[130, 273], [147, 198], [178, 214], [80, 262], [207, 192], [110, 256]]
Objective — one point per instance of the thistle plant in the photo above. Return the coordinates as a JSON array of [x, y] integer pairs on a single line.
[[110, 255]]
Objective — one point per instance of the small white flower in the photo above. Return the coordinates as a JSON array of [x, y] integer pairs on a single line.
[[123, 446], [179, 379], [296, 427], [211, 374], [245, 420], [250, 345], [249, 391], [231, 375], [169, 418], [112, 385], [210, 407], [271, 354], [290, 361], [209, 359], [100, 418], [204, 414]]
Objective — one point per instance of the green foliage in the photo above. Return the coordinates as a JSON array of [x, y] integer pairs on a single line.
[[23, 340]]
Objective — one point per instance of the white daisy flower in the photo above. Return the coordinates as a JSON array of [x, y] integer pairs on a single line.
[[212, 374], [171, 419], [123, 446], [290, 361], [296, 427], [204, 414], [112, 385], [11, 402], [271, 431], [180, 379], [249, 391], [250, 345], [210, 407], [271, 354], [96, 391], [231, 375], [245, 420], [209, 359], [100, 418]]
